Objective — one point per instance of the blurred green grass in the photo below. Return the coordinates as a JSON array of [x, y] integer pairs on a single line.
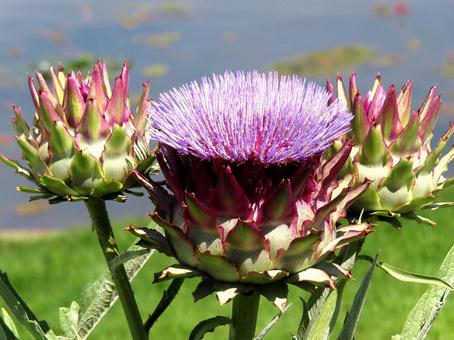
[[51, 271]]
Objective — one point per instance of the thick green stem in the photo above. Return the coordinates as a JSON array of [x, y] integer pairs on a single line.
[[244, 316], [101, 223]]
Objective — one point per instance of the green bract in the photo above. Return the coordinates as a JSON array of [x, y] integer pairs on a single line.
[[84, 140], [392, 149]]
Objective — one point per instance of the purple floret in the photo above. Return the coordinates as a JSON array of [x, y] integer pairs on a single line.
[[249, 116]]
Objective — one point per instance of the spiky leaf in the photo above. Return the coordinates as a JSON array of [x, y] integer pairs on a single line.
[[422, 316], [207, 326]]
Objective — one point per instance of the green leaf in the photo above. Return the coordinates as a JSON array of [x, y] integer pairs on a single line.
[[17, 167], [5, 332], [207, 326], [423, 315], [271, 324], [107, 187], [176, 271], [438, 205], [405, 276], [38, 329], [69, 317], [276, 293], [19, 123], [8, 329], [303, 322], [30, 190], [134, 252], [166, 299], [420, 219], [321, 311], [348, 330], [99, 297], [321, 314], [31, 154], [57, 186]]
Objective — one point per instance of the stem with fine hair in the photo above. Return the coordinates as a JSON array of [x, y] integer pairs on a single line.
[[244, 316], [101, 224]]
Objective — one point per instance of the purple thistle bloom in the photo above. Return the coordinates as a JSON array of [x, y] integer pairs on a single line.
[[248, 195], [249, 116]]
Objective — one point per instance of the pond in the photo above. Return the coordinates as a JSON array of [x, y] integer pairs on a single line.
[[172, 42]]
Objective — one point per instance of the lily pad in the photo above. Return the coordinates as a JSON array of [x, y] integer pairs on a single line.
[[163, 40], [381, 10], [447, 70], [54, 35], [386, 60], [327, 62], [155, 70], [174, 9], [131, 19], [31, 208]]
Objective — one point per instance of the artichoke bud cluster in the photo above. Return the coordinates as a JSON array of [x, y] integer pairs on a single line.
[[84, 140], [392, 149]]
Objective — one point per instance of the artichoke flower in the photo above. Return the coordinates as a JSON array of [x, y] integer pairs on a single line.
[[392, 149], [248, 201], [84, 140]]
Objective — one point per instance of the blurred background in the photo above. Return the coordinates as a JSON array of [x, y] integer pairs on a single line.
[[170, 43], [173, 42]]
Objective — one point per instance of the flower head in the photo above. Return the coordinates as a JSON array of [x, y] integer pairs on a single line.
[[249, 116], [393, 149], [248, 198], [84, 138]]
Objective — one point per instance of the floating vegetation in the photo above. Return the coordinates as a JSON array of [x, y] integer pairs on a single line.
[[447, 108], [174, 9], [230, 37], [15, 52], [386, 60], [327, 62], [447, 70], [130, 20], [381, 10], [413, 44], [8, 79], [163, 40], [5, 139], [155, 70], [32, 208], [84, 62], [134, 14], [400, 8], [54, 35], [86, 12]]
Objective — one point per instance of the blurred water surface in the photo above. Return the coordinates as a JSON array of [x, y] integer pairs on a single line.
[[176, 42]]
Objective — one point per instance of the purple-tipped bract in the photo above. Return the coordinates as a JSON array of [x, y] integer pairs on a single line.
[[249, 116]]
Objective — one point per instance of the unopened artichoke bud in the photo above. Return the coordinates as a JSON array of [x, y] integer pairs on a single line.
[[84, 140], [392, 149], [248, 200]]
